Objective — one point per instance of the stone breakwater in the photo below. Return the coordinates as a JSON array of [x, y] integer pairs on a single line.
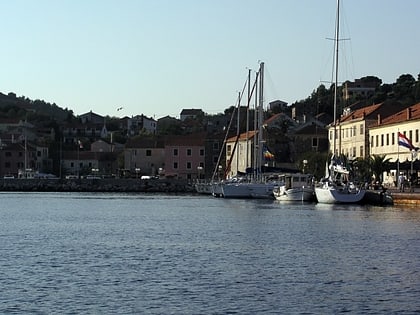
[[98, 185]]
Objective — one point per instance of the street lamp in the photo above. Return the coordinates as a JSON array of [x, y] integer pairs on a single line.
[[305, 162], [199, 170]]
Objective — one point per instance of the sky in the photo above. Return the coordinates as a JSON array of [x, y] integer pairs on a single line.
[[157, 57]]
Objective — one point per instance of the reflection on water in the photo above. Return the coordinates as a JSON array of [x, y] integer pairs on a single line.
[[175, 254]]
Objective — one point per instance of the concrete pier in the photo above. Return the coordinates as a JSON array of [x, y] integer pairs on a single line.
[[98, 185]]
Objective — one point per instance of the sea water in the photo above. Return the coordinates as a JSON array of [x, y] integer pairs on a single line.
[[93, 253]]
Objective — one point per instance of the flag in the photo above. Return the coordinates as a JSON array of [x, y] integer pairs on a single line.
[[405, 142], [80, 144], [267, 154]]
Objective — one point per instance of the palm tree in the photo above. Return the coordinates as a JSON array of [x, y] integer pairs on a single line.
[[378, 165]]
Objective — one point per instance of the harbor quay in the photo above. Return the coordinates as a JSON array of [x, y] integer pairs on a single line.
[[98, 185], [406, 197]]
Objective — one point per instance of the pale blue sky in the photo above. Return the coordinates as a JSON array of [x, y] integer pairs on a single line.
[[158, 56]]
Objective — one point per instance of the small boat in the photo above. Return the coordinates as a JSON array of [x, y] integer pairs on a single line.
[[378, 197], [203, 187], [295, 187]]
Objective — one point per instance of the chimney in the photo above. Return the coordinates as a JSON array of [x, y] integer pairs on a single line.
[[379, 119], [408, 113]]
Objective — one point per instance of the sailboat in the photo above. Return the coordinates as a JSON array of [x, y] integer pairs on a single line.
[[256, 186], [336, 187]]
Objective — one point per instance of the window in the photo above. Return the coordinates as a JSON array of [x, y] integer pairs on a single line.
[[387, 139], [354, 151], [361, 151], [148, 152], [189, 152], [417, 135], [7, 165], [229, 150], [361, 129], [371, 141], [410, 135], [377, 140], [188, 165], [216, 146], [175, 165], [392, 139], [314, 142], [382, 140], [201, 152], [8, 153], [175, 152]]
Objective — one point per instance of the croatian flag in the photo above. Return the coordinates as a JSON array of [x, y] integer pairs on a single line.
[[405, 142]]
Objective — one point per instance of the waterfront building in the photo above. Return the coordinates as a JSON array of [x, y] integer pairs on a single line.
[[352, 130], [384, 134]]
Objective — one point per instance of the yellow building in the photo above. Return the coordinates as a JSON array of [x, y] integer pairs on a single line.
[[352, 131], [384, 135]]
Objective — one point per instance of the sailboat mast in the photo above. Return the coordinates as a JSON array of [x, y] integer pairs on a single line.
[[238, 130], [336, 37], [247, 121], [260, 120]]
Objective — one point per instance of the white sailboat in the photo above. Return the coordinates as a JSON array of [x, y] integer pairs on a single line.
[[336, 187], [256, 186]]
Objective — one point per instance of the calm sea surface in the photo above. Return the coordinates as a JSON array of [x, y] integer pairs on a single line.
[[80, 253]]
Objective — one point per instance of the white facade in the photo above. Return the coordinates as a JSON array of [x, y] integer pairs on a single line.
[[241, 158], [351, 139], [384, 139]]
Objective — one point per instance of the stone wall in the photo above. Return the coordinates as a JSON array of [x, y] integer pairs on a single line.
[[98, 185]]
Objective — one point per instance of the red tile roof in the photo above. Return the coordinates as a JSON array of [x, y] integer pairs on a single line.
[[242, 136], [362, 113], [409, 113]]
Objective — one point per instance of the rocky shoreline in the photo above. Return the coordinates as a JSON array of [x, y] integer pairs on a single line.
[[98, 185]]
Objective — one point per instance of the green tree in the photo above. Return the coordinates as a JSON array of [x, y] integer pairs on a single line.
[[378, 165]]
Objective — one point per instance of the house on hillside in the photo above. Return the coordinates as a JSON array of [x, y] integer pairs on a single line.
[[278, 106], [191, 114], [91, 117], [309, 137], [185, 156], [144, 156], [18, 158], [141, 124], [88, 163], [72, 133], [359, 88], [104, 146]]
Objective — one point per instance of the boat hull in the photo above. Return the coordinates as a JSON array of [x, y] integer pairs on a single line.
[[248, 190], [378, 197], [295, 194], [203, 188], [332, 195]]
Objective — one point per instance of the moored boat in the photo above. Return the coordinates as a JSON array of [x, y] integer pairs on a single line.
[[294, 187]]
